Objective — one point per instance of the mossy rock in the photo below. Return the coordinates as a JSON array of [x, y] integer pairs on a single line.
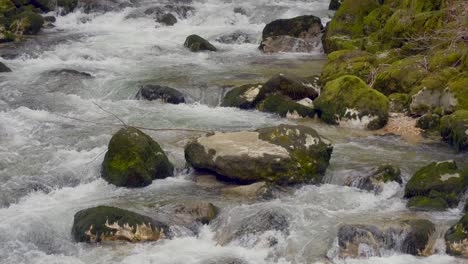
[[7, 8], [376, 19], [456, 238], [285, 154], [441, 90], [196, 43], [399, 102], [422, 203], [421, 5], [348, 62], [454, 129], [349, 21], [27, 23], [428, 122], [388, 173], [459, 87], [436, 186], [134, 159], [243, 97], [290, 85], [307, 28], [333, 43], [444, 58], [349, 98], [105, 223], [285, 106], [401, 77]]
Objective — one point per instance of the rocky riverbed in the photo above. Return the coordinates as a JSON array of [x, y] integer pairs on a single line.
[[202, 131]]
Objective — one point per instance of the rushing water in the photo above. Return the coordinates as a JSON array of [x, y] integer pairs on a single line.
[[49, 164]]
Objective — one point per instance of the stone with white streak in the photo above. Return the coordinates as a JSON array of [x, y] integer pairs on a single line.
[[285, 154], [105, 223]]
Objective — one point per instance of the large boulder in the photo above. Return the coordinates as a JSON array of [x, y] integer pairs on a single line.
[[456, 238], [157, 92], [454, 129], [364, 241], [348, 101], [134, 159], [436, 187], [374, 180], [105, 223], [196, 43], [285, 154], [300, 34]]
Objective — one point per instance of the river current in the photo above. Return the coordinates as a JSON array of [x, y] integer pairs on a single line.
[[50, 162]]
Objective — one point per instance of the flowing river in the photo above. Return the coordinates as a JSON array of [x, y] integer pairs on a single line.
[[50, 163]]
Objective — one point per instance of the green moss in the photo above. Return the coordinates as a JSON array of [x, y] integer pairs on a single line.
[[237, 97], [456, 235], [97, 217], [307, 163], [399, 102], [453, 129], [134, 159], [350, 92], [427, 204], [348, 62], [436, 182], [284, 105], [428, 122], [459, 87], [349, 19], [421, 5], [445, 58], [376, 19], [401, 77], [27, 23]]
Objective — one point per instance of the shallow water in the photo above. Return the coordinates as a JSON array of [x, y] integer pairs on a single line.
[[49, 164]]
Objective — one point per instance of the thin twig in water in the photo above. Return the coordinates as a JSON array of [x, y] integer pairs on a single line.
[[109, 112], [138, 127]]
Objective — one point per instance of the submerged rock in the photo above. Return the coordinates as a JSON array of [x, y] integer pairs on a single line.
[[4, 68], [69, 72], [284, 154], [436, 187], [377, 177], [134, 159], [364, 241], [454, 129], [300, 34], [167, 19], [196, 43], [164, 93], [249, 229], [456, 238], [237, 37], [258, 190], [105, 223], [188, 213], [348, 101]]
